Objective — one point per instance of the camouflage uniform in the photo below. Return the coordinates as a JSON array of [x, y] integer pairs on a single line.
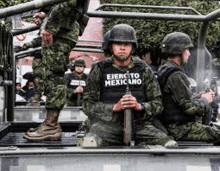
[[108, 125], [66, 23], [180, 121], [56, 57]]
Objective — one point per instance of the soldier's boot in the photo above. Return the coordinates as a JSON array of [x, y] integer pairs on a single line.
[[48, 130], [90, 140], [35, 129], [171, 144]]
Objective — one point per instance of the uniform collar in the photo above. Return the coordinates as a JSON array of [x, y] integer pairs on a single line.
[[133, 62]]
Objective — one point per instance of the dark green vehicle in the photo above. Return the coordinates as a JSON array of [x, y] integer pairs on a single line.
[[17, 154]]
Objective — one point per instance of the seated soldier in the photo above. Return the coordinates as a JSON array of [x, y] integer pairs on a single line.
[[105, 99], [180, 106]]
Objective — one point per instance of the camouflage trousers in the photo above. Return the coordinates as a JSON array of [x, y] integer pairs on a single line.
[[111, 134], [49, 72], [194, 131]]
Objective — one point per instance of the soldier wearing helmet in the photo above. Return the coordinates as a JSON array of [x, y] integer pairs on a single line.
[[76, 81], [174, 44], [180, 106], [104, 98]]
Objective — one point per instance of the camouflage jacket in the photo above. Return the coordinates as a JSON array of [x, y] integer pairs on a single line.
[[94, 108], [177, 86], [65, 21]]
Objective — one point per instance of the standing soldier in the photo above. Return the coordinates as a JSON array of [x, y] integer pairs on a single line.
[[105, 100], [59, 30], [76, 81], [180, 106]]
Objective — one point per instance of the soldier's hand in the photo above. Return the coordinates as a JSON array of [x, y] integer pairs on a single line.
[[47, 38], [127, 102], [208, 96], [78, 89], [38, 18]]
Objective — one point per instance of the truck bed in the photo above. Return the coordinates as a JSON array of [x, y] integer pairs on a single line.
[[17, 154]]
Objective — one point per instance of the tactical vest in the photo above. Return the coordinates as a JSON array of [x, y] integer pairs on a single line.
[[172, 113], [114, 82], [74, 82]]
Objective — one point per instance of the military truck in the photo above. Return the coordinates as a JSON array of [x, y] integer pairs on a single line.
[[17, 154]]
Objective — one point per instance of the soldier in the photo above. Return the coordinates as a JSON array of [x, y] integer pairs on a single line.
[[180, 106], [105, 100], [59, 31], [37, 64], [76, 81]]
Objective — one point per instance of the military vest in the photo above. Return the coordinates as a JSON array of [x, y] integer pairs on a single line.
[[74, 82], [172, 113], [114, 82]]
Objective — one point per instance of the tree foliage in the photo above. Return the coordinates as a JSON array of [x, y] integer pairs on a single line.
[[7, 3], [150, 33]]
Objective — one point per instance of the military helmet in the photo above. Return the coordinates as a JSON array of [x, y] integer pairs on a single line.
[[105, 45], [80, 62], [123, 33], [174, 43]]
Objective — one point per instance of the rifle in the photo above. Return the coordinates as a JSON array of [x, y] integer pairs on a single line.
[[36, 52], [78, 97], [128, 132]]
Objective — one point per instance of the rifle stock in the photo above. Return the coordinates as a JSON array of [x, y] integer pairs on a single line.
[[128, 132], [127, 126], [36, 52], [78, 99]]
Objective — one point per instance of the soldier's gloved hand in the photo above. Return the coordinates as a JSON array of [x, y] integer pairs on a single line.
[[208, 96], [78, 89], [127, 102], [47, 38]]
